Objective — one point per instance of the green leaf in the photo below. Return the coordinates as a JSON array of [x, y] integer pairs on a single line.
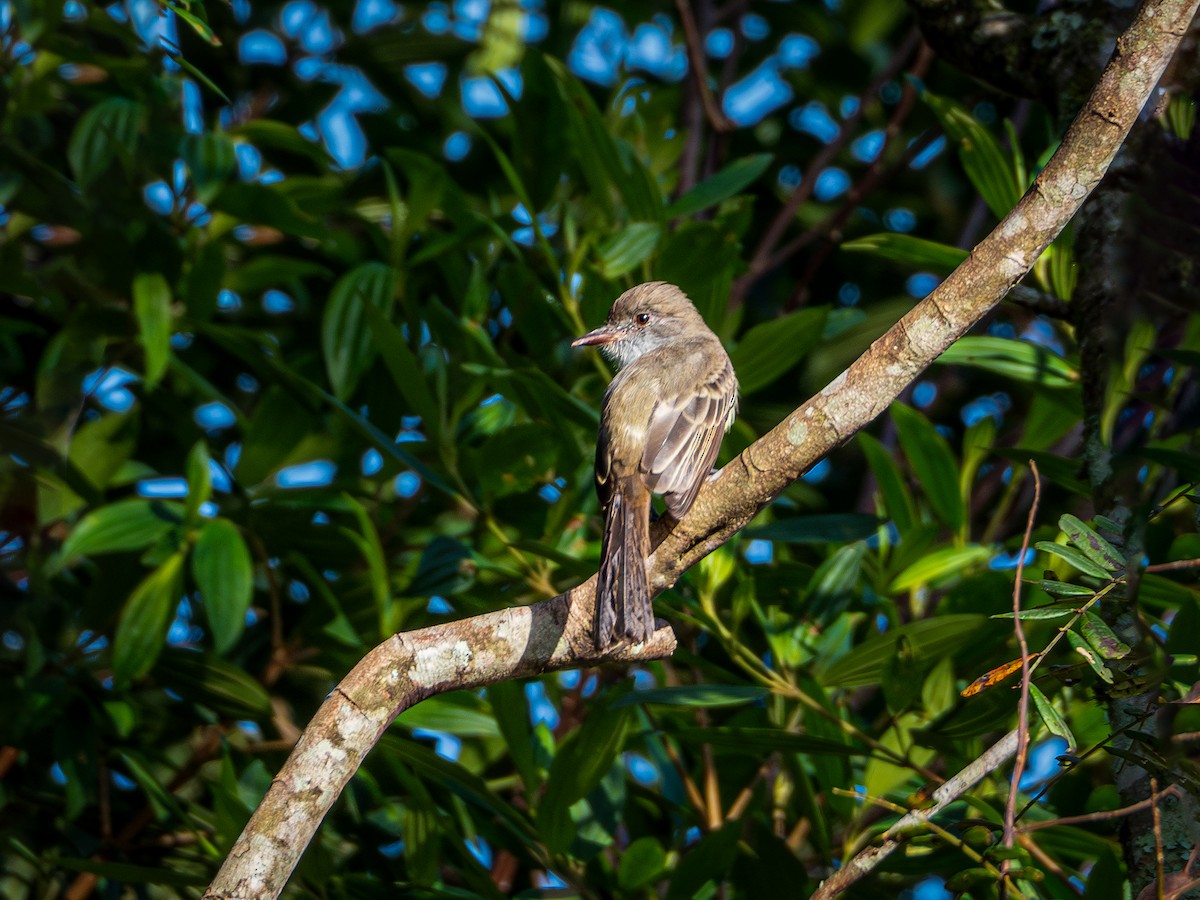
[[628, 248], [225, 575], [142, 629], [1074, 558], [406, 371], [1102, 638], [838, 574], [769, 350], [897, 501], [986, 165], [222, 686], [834, 528], [1054, 721], [1040, 613], [126, 873], [1094, 547], [583, 759], [1018, 359], [760, 741], [266, 204], [641, 862], [608, 163], [694, 877], [933, 462], [701, 258], [440, 570], [1063, 589], [211, 160], [1080, 646], [1105, 881], [928, 641], [940, 565], [706, 695], [1186, 464], [345, 333], [107, 129], [912, 251], [152, 306], [199, 479], [121, 526], [724, 184], [461, 714]]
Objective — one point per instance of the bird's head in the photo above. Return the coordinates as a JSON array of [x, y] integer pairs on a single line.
[[642, 319]]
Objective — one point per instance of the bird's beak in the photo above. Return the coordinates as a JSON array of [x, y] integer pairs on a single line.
[[605, 334]]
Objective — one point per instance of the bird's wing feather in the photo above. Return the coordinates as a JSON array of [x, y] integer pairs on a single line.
[[683, 439]]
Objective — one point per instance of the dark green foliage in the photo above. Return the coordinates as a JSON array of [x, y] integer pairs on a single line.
[[252, 426]]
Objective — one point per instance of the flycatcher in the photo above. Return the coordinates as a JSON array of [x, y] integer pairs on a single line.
[[674, 396]]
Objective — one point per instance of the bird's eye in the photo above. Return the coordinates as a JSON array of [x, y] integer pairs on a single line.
[[643, 318]]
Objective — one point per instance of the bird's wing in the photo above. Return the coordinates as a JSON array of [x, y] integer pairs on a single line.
[[683, 439]]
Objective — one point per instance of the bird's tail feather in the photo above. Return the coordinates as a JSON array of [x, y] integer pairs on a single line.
[[623, 608]]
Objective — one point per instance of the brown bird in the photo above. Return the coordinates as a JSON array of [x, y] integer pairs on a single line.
[[660, 428]]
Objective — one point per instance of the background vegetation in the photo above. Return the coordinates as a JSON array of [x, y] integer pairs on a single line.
[[287, 298]]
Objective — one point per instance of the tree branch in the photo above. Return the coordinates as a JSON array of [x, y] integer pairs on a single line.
[[870, 857], [555, 634]]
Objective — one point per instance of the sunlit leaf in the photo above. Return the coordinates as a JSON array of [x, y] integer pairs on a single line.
[[108, 129], [152, 306], [1074, 558], [1051, 716], [223, 571], [142, 629], [1094, 547], [121, 526], [1022, 360], [628, 248], [913, 251], [933, 462], [724, 184], [769, 350]]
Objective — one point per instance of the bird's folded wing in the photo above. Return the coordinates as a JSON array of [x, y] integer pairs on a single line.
[[683, 439]]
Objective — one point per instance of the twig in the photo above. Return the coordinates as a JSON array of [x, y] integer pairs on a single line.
[[1010, 806], [765, 256], [1174, 566], [870, 857], [1046, 861], [937, 831], [1104, 815], [1039, 302], [872, 178], [712, 789], [689, 784], [695, 50], [1158, 838]]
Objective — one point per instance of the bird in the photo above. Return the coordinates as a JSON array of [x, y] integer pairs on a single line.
[[674, 396]]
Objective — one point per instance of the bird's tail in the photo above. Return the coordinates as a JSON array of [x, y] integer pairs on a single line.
[[623, 607]]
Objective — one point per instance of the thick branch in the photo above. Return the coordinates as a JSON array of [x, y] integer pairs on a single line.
[[555, 634]]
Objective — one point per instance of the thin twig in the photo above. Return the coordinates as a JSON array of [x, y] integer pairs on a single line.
[[1010, 806], [1039, 302], [870, 857], [1159, 875], [875, 174], [1173, 566], [695, 51], [939, 832], [1046, 861], [1105, 815], [765, 255]]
